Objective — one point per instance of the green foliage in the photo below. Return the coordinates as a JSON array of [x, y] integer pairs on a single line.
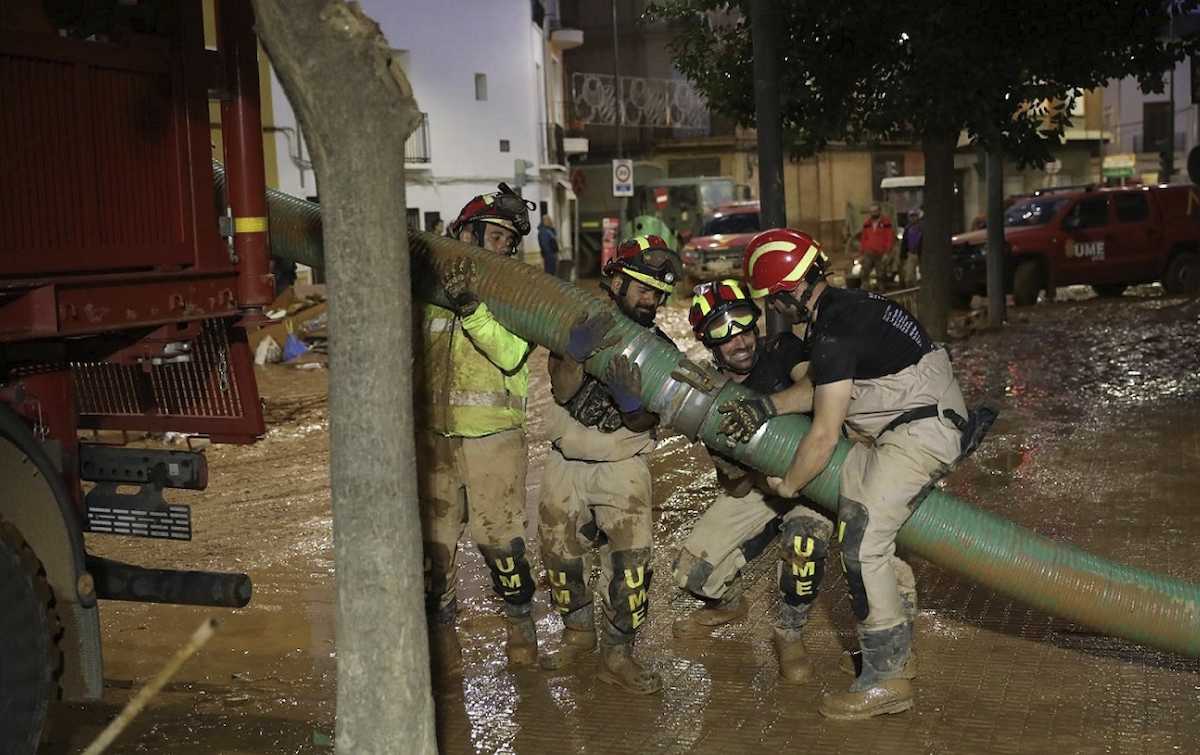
[[862, 70]]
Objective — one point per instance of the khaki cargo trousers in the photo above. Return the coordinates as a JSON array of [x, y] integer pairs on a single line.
[[475, 483], [881, 481], [606, 504], [732, 532]]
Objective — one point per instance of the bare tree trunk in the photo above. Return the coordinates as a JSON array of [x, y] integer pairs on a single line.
[[995, 238], [939, 212], [357, 109]]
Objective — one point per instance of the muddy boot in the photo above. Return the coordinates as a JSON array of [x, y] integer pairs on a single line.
[[851, 663], [578, 640], [795, 665], [879, 688], [445, 653], [702, 621], [618, 666], [521, 646]]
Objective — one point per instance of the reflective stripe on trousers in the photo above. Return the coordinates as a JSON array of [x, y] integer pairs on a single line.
[[503, 400]]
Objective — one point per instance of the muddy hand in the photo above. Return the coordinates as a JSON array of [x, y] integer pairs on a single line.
[[624, 381], [456, 282], [743, 417], [589, 335]]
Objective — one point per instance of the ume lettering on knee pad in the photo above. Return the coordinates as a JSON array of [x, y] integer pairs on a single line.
[[512, 578]]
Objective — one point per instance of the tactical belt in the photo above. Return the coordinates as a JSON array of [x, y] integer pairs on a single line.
[[973, 427]]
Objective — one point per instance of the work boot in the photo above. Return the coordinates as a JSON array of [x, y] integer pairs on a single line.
[[445, 653], [521, 646], [618, 666], [702, 621], [887, 696], [879, 687], [578, 640], [795, 666]]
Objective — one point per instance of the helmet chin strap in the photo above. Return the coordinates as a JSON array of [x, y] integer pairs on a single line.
[[621, 300], [479, 227]]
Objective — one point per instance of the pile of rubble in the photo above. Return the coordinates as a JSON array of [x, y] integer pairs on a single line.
[[298, 334]]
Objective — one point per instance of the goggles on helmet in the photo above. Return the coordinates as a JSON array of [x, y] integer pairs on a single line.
[[728, 324]]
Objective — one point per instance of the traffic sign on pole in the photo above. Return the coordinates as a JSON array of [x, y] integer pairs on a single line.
[[622, 178]]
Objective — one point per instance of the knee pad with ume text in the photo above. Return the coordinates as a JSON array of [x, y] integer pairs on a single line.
[[512, 578]]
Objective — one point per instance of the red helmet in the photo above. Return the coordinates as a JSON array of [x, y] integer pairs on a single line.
[[504, 208], [720, 310], [781, 259], [647, 259]]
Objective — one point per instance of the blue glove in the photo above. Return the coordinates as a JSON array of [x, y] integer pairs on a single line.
[[624, 381], [588, 335]]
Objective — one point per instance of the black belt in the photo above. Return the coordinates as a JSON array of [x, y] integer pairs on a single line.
[[973, 427], [924, 412]]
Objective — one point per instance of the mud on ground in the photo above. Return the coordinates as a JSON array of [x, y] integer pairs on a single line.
[[1097, 445]]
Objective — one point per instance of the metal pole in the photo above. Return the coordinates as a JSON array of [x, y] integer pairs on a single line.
[[623, 202], [764, 23], [241, 132], [995, 238]]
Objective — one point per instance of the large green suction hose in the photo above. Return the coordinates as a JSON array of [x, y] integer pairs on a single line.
[[1058, 579]]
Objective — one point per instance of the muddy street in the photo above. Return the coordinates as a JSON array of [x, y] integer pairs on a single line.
[[1097, 445]]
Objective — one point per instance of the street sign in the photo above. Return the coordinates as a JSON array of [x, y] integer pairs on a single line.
[[1118, 166], [622, 178]]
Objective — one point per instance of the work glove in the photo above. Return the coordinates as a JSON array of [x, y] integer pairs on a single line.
[[457, 278], [744, 416], [624, 381], [589, 335]]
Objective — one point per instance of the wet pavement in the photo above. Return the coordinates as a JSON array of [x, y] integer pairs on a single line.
[[1097, 444]]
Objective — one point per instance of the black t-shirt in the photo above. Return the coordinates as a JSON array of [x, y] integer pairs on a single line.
[[860, 335], [772, 372]]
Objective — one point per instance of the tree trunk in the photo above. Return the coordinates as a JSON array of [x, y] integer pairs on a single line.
[[939, 213], [357, 109]]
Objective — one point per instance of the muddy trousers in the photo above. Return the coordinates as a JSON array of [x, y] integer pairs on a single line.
[[605, 504], [879, 485], [735, 531], [475, 483]]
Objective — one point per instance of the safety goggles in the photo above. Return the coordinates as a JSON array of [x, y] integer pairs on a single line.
[[729, 323], [513, 207], [656, 268]]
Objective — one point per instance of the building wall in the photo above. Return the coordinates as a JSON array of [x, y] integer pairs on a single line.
[[441, 57], [818, 188], [1122, 116]]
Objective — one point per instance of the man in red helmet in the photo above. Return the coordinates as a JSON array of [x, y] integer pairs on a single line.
[[875, 371], [596, 489], [739, 525], [471, 447]]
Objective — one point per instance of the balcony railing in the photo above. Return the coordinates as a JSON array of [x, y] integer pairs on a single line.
[[416, 149], [645, 102]]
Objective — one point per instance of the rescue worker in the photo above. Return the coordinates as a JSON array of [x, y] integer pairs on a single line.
[[875, 371], [741, 523], [596, 490], [471, 445]]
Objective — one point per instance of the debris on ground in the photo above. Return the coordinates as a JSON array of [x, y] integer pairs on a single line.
[[298, 332]]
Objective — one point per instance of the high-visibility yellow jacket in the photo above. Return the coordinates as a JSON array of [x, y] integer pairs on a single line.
[[473, 378]]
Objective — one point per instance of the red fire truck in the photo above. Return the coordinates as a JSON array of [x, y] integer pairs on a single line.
[[126, 286]]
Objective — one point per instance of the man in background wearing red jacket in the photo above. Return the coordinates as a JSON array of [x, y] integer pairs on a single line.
[[875, 239]]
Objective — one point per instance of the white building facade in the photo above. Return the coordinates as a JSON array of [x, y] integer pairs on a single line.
[[488, 79]]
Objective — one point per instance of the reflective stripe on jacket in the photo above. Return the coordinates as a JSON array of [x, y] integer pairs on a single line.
[[472, 378]]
